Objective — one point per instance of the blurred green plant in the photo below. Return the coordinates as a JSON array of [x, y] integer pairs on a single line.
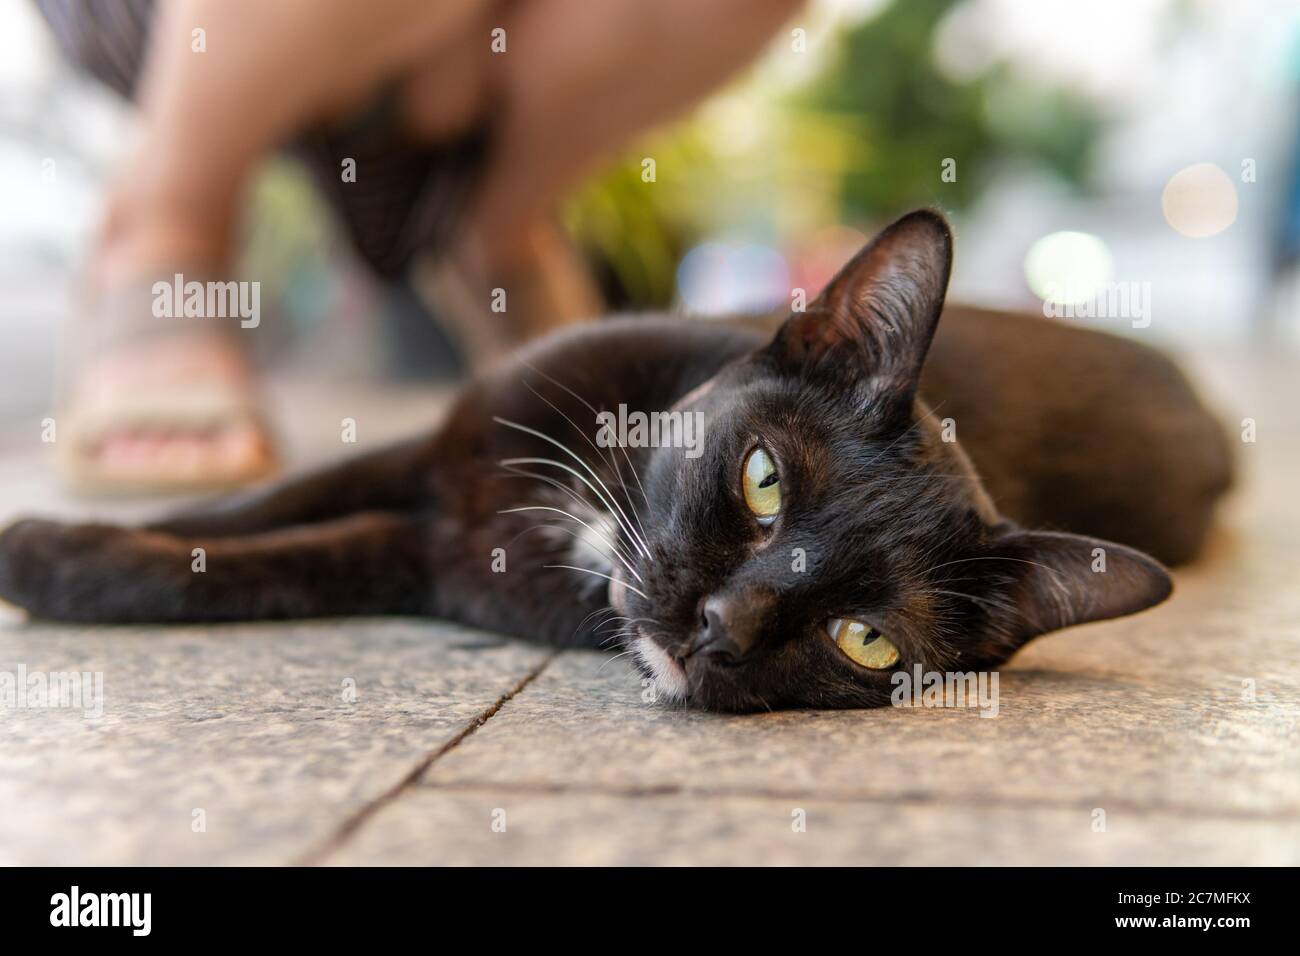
[[862, 140], [887, 80]]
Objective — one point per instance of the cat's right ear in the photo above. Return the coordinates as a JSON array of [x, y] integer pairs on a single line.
[[875, 319], [1055, 580]]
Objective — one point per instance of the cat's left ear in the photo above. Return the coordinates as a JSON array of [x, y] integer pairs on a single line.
[[1054, 580], [877, 316]]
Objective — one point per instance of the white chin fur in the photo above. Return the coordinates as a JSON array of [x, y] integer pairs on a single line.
[[669, 678]]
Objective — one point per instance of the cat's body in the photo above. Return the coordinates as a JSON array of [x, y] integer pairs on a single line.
[[1080, 431], [1068, 430]]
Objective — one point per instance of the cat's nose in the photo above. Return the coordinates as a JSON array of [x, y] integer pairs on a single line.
[[729, 625]]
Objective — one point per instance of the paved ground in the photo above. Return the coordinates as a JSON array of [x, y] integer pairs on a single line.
[[1166, 738]]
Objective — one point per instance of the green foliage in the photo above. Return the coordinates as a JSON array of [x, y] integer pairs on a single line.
[[864, 139], [886, 84]]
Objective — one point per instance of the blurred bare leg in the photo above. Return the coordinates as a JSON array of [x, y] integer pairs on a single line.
[[579, 79], [266, 71], [575, 82]]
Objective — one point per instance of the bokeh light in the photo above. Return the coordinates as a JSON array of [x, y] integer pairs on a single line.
[[1199, 201], [1068, 268], [723, 278]]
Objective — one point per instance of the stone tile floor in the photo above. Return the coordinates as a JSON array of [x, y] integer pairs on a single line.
[[403, 741]]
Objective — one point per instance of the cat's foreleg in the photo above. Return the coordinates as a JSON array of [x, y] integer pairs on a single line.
[[366, 563], [390, 479]]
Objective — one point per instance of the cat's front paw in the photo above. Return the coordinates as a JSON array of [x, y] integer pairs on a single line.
[[38, 558], [20, 573]]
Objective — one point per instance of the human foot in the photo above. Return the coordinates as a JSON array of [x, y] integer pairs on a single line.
[[172, 412]]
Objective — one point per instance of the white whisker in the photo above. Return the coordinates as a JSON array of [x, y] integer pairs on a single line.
[[607, 611], [900, 435], [564, 448], [982, 602], [591, 408], [570, 567], [612, 660], [622, 522], [614, 549], [559, 485], [612, 458]]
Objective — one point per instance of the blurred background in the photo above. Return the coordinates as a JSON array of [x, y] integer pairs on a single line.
[[1073, 144]]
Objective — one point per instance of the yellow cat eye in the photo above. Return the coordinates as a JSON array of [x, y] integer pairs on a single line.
[[862, 643], [762, 486]]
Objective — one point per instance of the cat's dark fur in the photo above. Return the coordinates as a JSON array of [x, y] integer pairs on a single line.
[[1070, 433]]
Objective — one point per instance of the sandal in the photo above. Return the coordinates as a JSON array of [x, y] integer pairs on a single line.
[[157, 404]]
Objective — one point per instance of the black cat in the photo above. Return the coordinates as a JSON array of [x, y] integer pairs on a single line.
[[821, 531]]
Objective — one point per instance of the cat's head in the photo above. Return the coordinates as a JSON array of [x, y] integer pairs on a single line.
[[828, 536]]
